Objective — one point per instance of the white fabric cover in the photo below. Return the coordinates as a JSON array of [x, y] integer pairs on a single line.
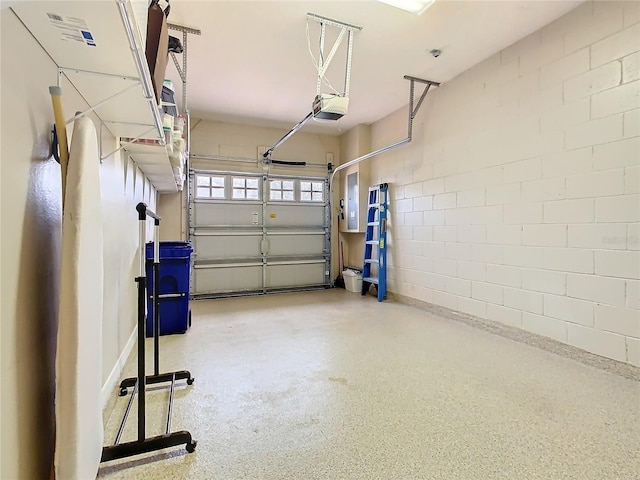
[[79, 431]]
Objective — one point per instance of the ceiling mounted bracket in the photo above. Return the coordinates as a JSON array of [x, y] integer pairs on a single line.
[[182, 71], [413, 111], [323, 64]]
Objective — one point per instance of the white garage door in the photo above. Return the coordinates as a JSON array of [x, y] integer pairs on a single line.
[[255, 233]]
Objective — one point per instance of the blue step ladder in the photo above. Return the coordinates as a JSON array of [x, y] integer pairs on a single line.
[[374, 270]]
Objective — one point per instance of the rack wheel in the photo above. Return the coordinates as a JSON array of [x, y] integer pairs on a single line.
[[189, 318], [123, 391], [191, 446], [190, 381]]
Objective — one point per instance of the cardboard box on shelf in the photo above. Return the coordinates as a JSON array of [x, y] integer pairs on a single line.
[[157, 48]]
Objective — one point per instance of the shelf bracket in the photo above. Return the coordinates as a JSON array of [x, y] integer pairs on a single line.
[[99, 104], [121, 147], [136, 82]]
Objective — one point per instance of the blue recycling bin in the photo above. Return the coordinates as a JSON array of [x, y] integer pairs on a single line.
[[173, 287]]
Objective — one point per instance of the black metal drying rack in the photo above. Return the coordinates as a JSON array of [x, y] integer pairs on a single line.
[[139, 383]]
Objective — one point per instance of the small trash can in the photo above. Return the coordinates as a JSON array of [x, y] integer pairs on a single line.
[[352, 280], [173, 287]]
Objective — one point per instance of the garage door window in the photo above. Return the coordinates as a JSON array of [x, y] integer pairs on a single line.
[[246, 188], [282, 190], [210, 186], [311, 191]]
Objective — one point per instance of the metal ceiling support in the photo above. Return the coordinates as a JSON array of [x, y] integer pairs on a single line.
[[413, 111], [182, 71], [323, 30], [412, 114], [347, 75], [323, 64]]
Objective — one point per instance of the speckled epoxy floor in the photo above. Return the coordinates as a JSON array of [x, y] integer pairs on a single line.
[[328, 385]]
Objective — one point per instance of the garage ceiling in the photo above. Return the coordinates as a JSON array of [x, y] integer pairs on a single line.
[[252, 64]]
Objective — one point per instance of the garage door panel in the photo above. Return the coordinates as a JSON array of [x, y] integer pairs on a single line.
[[282, 276], [296, 215], [210, 247], [209, 213], [292, 244], [253, 232], [218, 279]]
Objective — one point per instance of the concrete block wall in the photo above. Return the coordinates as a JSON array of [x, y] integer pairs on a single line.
[[518, 199]]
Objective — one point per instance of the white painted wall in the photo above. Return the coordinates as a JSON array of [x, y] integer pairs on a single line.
[[236, 140], [353, 144], [518, 198], [30, 249]]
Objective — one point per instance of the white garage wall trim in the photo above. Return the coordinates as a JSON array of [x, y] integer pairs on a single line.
[[258, 233]]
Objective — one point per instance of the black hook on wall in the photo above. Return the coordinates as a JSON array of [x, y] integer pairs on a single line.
[[55, 147]]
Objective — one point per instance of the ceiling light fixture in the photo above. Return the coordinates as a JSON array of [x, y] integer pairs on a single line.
[[414, 6]]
